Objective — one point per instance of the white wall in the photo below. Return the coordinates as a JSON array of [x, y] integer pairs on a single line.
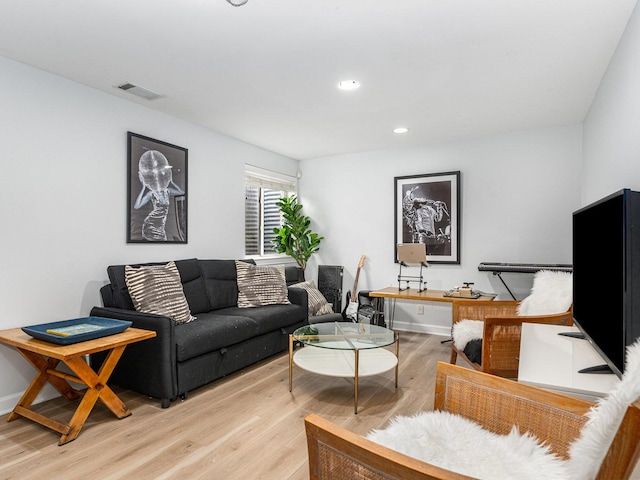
[[63, 199], [518, 192], [611, 137]]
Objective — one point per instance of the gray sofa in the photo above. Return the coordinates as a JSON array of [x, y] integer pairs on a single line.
[[222, 340]]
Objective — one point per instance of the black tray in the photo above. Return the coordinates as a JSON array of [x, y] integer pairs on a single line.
[[107, 326]]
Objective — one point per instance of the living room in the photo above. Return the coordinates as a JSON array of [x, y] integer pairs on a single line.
[[64, 192]]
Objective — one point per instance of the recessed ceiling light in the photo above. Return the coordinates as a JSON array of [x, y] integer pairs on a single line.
[[348, 85], [400, 130]]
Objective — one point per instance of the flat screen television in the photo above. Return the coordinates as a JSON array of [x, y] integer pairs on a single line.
[[606, 274]]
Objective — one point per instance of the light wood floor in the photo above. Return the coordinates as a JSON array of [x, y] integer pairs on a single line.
[[245, 426]]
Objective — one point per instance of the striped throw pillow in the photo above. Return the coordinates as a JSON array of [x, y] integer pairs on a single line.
[[157, 289], [261, 285], [318, 305]]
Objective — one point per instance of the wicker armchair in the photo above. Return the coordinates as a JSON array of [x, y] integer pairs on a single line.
[[501, 337], [495, 403]]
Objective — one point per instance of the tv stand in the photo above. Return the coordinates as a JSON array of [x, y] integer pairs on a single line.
[[597, 369], [579, 335], [552, 361]]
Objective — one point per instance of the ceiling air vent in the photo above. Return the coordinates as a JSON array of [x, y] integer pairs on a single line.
[[139, 91]]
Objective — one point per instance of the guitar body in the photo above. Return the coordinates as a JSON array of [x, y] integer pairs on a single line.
[[350, 312]]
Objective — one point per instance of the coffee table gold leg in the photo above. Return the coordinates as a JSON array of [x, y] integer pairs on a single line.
[[290, 362], [355, 383], [397, 356]]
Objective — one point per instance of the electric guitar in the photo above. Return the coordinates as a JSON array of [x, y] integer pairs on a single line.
[[351, 310]]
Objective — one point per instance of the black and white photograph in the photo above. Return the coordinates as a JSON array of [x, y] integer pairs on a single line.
[[427, 211], [156, 191]]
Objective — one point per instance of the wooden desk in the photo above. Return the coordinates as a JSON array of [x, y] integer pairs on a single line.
[[393, 293], [45, 357], [551, 361]]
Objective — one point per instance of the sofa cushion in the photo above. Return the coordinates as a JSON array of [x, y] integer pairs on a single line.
[[193, 285], [318, 305], [212, 332], [269, 317], [157, 289], [260, 285], [221, 282]]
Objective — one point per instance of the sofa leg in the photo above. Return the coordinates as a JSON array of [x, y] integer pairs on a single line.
[[165, 402], [184, 396]]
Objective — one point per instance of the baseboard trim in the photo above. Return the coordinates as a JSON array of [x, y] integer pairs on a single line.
[[422, 328]]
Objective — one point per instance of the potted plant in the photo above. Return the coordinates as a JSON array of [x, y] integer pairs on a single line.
[[295, 238]]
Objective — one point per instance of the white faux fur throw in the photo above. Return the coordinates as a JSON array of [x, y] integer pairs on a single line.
[[466, 330], [457, 444], [588, 451], [552, 292], [460, 445]]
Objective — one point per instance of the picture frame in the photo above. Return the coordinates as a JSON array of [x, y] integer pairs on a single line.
[[157, 191], [427, 210]]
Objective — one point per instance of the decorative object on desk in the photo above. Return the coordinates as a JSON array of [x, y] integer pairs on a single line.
[[463, 292], [66, 332], [427, 211], [415, 253], [294, 237], [351, 310], [156, 191]]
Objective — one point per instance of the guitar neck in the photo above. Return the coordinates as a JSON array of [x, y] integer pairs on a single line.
[[355, 286]]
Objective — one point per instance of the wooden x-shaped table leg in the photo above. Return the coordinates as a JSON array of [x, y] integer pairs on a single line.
[[96, 389]]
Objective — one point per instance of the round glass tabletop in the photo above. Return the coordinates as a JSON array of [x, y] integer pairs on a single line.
[[345, 336]]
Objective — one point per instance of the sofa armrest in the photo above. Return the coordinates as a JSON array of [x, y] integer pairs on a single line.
[[147, 367], [298, 296]]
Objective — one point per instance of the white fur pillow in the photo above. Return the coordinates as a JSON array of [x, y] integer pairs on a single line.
[[460, 445], [552, 292]]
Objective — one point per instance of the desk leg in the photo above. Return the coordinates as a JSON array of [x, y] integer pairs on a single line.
[[392, 312]]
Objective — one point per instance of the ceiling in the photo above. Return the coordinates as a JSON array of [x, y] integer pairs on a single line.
[[266, 72]]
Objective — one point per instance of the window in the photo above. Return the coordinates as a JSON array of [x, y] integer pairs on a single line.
[[262, 215]]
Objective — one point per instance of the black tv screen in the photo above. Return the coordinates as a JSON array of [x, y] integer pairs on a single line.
[[606, 274]]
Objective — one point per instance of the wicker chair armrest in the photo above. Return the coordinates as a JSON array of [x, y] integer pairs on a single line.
[[337, 453], [498, 404]]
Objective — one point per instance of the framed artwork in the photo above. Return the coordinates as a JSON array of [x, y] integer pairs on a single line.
[[156, 191], [427, 210]]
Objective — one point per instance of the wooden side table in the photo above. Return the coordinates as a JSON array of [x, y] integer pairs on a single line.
[[45, 357]]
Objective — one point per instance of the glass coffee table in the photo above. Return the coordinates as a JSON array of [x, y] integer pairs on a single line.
[[344, 349]]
